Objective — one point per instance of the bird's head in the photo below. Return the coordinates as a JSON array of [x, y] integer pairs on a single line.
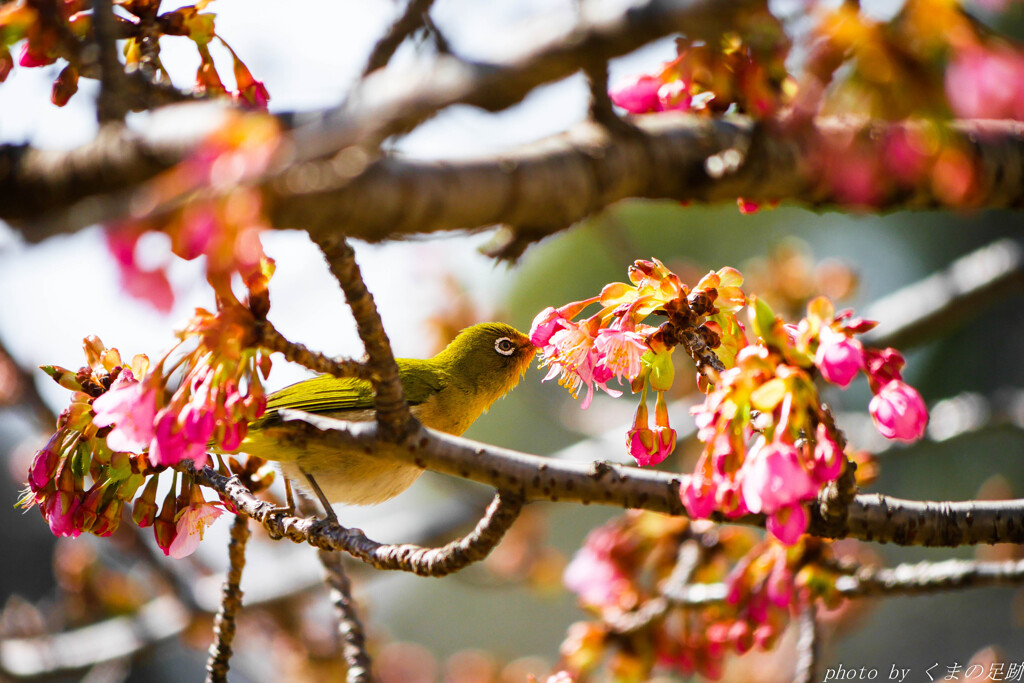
[[488, 356]]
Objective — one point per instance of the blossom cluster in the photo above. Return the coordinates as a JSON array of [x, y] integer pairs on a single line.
[[615, 343], [769, 443], [744, 72], [126, 425], [631, 561], [47, 39]]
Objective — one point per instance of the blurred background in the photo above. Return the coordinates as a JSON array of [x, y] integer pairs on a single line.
[[508, 616]]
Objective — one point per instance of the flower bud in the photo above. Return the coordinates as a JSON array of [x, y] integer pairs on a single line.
[[899, 412], [144, 508], [65, 86], [164, 527], [44, 465], [839, 358]]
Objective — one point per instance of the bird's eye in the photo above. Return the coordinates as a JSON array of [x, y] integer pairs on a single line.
[[505, 346]]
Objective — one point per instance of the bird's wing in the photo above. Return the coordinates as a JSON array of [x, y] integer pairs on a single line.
[[330, 395]]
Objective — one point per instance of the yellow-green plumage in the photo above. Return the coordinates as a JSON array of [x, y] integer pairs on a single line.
[[447, 392]]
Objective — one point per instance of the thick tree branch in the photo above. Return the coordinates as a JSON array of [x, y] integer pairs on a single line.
[[870, 517], [538, 189], [546, 187], [353, 636], [225, 623]]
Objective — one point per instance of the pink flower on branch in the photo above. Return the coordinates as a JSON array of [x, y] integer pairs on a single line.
[[191, 526], [899, 412], [638, 95], [839, 358], [773, 477], [130, 406]]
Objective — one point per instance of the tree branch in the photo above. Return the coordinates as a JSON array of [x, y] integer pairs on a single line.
[[272, 340], [350, 629], [393, 414], [225, 623], [447, 559], [548, 186], [808, 647], [871, 517], [387, 104], [111, 105], [407, 23]]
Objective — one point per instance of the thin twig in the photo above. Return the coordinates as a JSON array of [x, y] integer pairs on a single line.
[[447, 559], [225, 623], [655, 609], [389, 104], [808, 646], [393, 414], [407, 23], [272, 340], [353, 636]]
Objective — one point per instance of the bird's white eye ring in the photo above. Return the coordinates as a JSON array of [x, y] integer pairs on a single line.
[[505, 346]]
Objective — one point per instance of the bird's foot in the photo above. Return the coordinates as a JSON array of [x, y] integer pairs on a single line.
[[331, 517]]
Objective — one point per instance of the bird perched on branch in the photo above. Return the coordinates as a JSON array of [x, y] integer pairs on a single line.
[[447, 392]]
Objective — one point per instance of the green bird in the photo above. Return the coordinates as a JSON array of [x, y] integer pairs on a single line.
[[447, 392]]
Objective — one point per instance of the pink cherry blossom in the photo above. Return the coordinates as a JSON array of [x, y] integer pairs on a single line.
[[621, 351], [170, 445], [839, 357], [787, 523], [899, 412], [44, 465], [573, 359], [638, 95], [698, 495], [190, 528], [773, 477], [828, 458], [131, 407]]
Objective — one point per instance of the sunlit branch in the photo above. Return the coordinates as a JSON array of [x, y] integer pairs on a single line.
[[353, 636], [225, 623], [392, 412], [452, 557], [546, 187], [870, 517]]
